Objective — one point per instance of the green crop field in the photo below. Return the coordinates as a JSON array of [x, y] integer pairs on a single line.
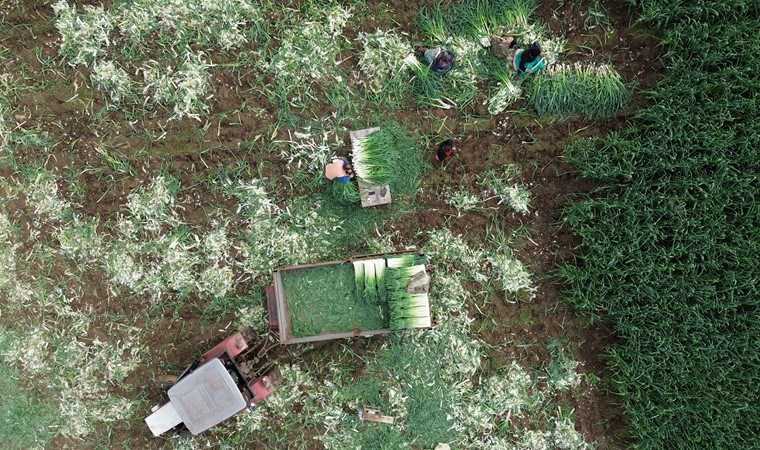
[[591, 243], [671, 243]]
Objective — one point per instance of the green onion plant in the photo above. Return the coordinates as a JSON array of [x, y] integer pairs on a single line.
[[389, 156], [597, 91], [370, 286], [359, 280], [344, 193], [671, 237]]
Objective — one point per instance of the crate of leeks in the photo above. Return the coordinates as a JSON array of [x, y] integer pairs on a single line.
[[359, 296]]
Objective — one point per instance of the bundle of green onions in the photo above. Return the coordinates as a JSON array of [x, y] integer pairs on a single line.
[[410, 311], [369, 281], [397, 278], [359, 280], [597, 91], [389, 156], [370, 288], [401, 269], [407, 310], [345, 193], [407, 260], [382, 292], [372, 157], [376, 283]]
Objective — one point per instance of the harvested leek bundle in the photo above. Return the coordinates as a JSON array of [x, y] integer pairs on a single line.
[[385, 156], [371, 157], [382, 293], [406, 260], [406, 310], [410, 311], [376, 284], [397, 278], [358, 280], [597, 91], [389, 156], [409, 300], [369, 280], [413, 305], [410, 322], [344, 193], [370, 288]]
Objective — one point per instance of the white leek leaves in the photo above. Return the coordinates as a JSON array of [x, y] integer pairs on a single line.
[[370, 287], [380, 279], [358, 280]]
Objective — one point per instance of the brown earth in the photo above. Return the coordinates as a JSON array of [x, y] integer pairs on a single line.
[[194, 150]]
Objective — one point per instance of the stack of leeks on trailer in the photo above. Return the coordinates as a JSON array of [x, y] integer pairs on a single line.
[[384, 281]]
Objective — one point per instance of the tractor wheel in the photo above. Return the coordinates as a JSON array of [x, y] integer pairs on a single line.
[[164, 382]]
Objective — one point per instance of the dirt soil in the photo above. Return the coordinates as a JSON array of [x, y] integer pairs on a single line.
[[193, 153]]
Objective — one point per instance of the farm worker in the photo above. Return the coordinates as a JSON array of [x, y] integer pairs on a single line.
[[445, 150], [339, 169], [504, 47], [530, 60], [440, 59]]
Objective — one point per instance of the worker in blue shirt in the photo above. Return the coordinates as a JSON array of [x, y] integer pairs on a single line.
[[530, 60], [440, 60], [339, 170]]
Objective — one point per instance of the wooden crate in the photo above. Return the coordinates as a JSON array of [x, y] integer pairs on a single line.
[[374, 195], [279, 313]]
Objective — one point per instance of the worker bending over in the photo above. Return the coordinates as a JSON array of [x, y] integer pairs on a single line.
[[339, 170], [530, 60]]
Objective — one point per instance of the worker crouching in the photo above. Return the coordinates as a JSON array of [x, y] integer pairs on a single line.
[[340, 169]]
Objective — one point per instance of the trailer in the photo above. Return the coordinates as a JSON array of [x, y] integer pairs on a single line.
[[318, 302]]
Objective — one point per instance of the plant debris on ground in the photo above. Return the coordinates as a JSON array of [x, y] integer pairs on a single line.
[[159, 160]]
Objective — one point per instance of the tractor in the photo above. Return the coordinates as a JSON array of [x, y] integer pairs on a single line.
[[212, 389], [231, 377]]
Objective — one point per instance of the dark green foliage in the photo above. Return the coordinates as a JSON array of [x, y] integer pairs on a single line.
[[381, 437], [321, 300], [344, 193], [372, 390], [671, 251], [400, 160], [410, 360], [358, 223], [428, 417]]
